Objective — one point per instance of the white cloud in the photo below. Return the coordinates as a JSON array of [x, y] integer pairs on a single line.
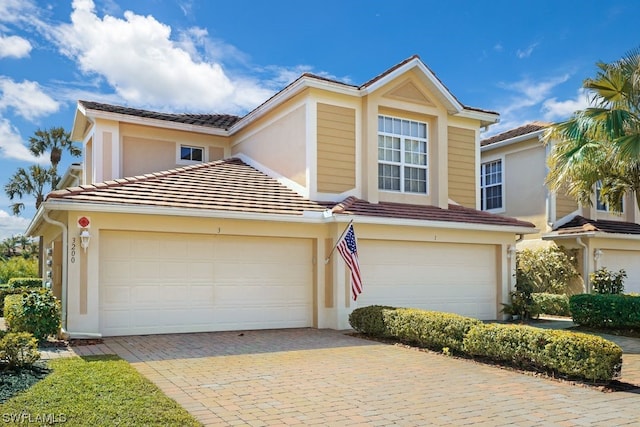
[[530, 101], [12, 146], [14, 46], [12, 11], [138, 58], [526, 52], [558, 110], [11, 225], [27, 99], [530, 93]]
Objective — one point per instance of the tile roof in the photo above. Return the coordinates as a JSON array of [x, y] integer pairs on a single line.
[[580, 224], [224, 185], [232, 185], [512, 133], [455, 213], [222, 121]]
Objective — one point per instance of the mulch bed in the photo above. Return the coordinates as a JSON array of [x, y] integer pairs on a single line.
[[13, 382]]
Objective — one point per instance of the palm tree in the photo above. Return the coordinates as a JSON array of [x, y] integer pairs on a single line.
[[31, 182], [55, 140], [602, 142], [8, 247]]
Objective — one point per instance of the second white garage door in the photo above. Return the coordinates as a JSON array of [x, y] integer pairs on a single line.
[[154, 283], [446, 277], [629, 261]]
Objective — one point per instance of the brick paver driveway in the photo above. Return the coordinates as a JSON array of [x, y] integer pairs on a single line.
[[324, 377]]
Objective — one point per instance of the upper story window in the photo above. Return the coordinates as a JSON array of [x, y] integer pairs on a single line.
[[191, 154], [402, 155], [600, 204], [491, 185]]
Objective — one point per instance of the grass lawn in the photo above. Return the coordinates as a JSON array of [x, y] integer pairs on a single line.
[[94, 391]]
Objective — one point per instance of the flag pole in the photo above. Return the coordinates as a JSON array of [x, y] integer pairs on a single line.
[[326, 261]]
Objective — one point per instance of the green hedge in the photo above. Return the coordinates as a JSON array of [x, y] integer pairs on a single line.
[[25, 282], [563, 352], [606, 311], [370, 320], [429, 329], [553, 304]]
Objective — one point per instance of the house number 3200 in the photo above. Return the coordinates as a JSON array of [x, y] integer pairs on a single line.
[[73, 250]]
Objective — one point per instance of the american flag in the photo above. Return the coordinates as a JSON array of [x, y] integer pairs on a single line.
[[349, 251]]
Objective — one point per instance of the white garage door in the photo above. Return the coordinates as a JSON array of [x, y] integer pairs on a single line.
[[627, 260], [446, 277], [154, 283]]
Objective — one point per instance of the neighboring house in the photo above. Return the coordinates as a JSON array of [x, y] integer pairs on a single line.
[[513, 172], [190, 222]]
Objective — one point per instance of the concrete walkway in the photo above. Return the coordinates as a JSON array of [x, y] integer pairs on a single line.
[[324, 377]]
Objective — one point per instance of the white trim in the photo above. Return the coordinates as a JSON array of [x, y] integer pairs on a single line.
[[478, 169], [179, 161], [292, 185], [145, 121], [311, 148], [402, 164], [503, 186], [57, 204], [591, 234], [513, 140], [451, 103]]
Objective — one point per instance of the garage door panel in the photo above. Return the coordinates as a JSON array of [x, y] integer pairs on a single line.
[[449, 277], [210, 283], [615, 260]]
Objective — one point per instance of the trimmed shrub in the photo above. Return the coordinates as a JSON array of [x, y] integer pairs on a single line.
[[550, 270], [18, 350], [430, 329], [370, 320], [25, 282], [552, 304], [606, 311], [563, 352], [608, 282], [34, 311]]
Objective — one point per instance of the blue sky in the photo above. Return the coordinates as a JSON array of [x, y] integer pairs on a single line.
[[524, 59]]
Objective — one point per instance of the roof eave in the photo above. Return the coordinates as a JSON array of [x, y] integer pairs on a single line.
[[438, 224], [146, 121], [485, 118], [591, 234], [513, 140], [307, 216]]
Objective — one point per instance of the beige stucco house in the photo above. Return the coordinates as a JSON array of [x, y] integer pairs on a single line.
[[512, 173], [190, 222]]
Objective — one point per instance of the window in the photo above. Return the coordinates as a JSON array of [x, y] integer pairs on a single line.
[[491, 185], [402, 155], [600, 204], [191, 154]]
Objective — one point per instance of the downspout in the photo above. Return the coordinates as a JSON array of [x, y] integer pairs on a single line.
[[585, 264], [64, 265]]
